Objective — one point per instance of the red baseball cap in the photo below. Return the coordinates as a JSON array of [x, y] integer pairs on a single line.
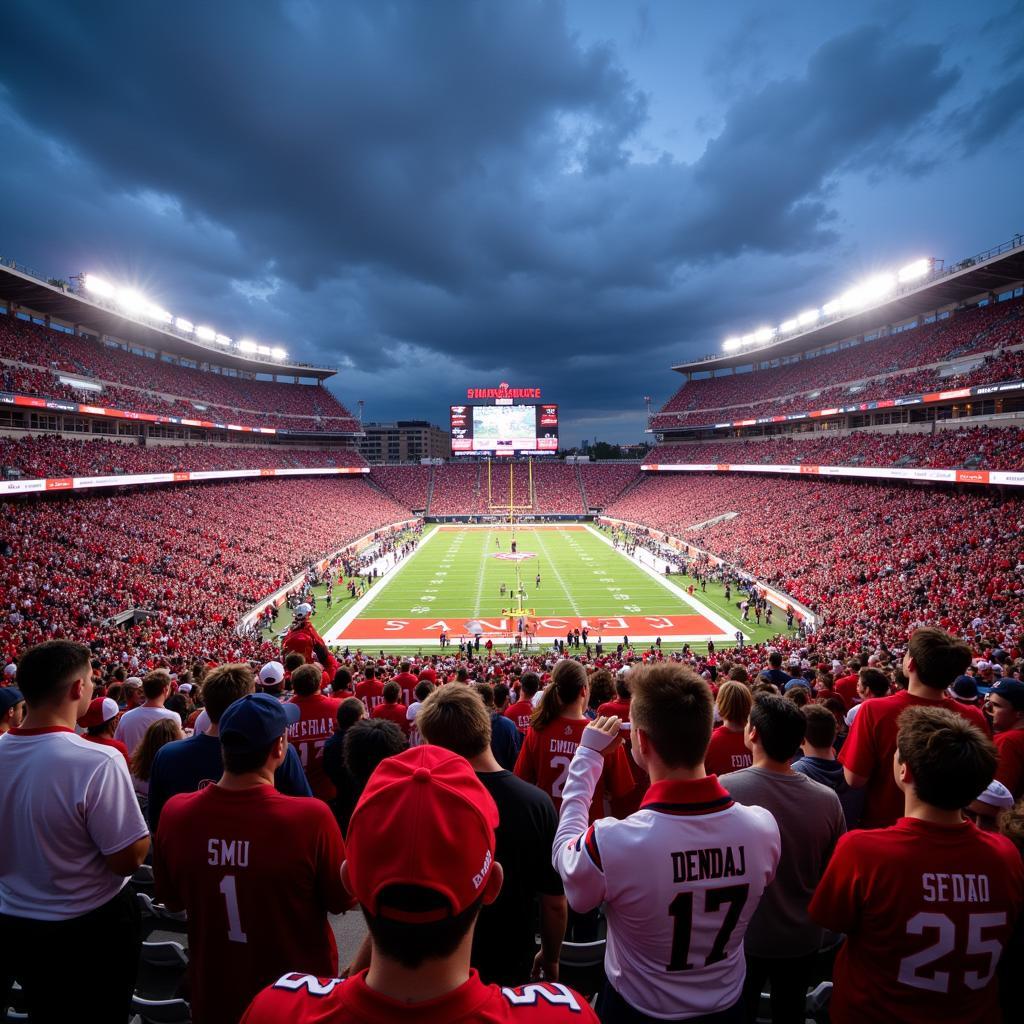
[[100, 710], [424, 819]]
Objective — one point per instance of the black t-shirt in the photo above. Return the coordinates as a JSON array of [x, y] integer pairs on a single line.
[[504, 942]]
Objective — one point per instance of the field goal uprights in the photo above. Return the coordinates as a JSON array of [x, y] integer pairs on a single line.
[[511, 508]]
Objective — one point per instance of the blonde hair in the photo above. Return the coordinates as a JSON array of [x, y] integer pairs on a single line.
[[159, 734], [734, 702]]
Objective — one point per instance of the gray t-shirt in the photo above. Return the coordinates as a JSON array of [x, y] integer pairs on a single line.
[[810, 819]]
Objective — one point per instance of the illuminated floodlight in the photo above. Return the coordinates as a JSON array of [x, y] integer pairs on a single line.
[[915, 270], [763, 334], [878, 287], [264, 350], [810, 316], [749, 339], [184, 325], [247, 346], [788, 325], [206, 333], [832, 307], [158, 314], [279, 353], [731, 344], [223, 339], [131, 301], [98, 285]]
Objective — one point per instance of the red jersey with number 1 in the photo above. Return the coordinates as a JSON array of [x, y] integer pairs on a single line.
[[303, 999], [546, 754], [258, 873], [927, 910]]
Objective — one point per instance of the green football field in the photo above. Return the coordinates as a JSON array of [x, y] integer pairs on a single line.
[[453, 583]]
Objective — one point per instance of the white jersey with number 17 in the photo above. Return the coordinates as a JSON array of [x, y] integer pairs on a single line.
[[681, 878]]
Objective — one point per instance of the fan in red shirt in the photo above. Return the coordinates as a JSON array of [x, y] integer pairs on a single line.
[[391, 710], [1005, 703], [846, 685], [302, 638], [318, 717], [370, 690], [522, 711], [555, 734], [932, 661], [727, 751], [420, 897], [256, 871], [406, 682], [928, 904], [619, 707], [99, 723]]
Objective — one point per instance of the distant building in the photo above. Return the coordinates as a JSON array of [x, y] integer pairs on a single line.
[[403, 441]]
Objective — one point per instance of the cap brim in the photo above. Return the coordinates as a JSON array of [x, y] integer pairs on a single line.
[[292, 712]]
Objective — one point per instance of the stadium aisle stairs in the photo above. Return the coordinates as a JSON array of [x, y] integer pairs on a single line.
[[430, 489]]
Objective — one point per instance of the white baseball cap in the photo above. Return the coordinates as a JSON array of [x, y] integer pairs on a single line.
[[10, 670], [303, 610], [272, 673]]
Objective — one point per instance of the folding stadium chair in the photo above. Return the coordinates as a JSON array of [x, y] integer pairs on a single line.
[[161, 1011], [817, 1002], [581, 966], [142, 880], [164, 954], [15, 1010]]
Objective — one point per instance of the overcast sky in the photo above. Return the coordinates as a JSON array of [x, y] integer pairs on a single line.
[[435, 195]]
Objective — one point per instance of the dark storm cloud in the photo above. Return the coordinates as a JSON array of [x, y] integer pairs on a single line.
[[431, 195]]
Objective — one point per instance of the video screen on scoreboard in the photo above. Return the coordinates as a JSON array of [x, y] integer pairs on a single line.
[[504, 429]]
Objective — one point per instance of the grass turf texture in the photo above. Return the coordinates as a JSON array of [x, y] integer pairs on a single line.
[[455, 576]]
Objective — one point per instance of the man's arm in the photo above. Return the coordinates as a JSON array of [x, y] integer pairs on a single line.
[[290, 779], [554, 916], [576, 856], [125, 862]]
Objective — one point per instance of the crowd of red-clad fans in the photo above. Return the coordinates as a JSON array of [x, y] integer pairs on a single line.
[[57, 456], [971, 447], [715, 825], [136, 383], [459, 488], [197, 556], [871, 560], [408, 485], [882, 364]]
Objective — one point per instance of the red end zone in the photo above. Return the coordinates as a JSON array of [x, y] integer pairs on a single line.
[[611, 627]]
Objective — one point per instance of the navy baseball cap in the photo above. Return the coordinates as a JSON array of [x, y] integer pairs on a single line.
[[255, 721], [965, 687], [9, 696], [1011, 690]]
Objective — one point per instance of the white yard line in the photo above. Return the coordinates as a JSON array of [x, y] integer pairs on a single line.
[[558, 576], [480, 583], [342, 624], [722, 623]]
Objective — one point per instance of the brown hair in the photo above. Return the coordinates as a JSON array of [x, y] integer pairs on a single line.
[[821, 725], [939, 657], [875, 680], [951, 761], [568, 681], [306, 679], [734, 701], [154, 683], [673, 706], [159, 734], [224, 685], [454, 717]]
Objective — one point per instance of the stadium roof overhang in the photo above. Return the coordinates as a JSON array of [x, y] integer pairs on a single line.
[[958, 285], [49, 300]]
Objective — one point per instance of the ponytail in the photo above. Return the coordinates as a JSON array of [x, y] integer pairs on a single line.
[[568, 681]]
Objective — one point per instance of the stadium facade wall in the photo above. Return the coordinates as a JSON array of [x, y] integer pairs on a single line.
[[990, 477], [78, 483]]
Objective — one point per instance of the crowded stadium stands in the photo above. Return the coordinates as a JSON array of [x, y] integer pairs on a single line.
[[31, 357], [900, 364], [57, 456], [967, 447]]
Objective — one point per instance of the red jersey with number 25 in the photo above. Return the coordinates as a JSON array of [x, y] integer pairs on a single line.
[[303, 999], [927, 910], [547, 753]]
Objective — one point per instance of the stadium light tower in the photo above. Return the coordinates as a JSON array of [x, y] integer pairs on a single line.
[[647, 402]]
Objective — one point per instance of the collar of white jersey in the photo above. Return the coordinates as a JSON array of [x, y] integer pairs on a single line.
[[697, 796]]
